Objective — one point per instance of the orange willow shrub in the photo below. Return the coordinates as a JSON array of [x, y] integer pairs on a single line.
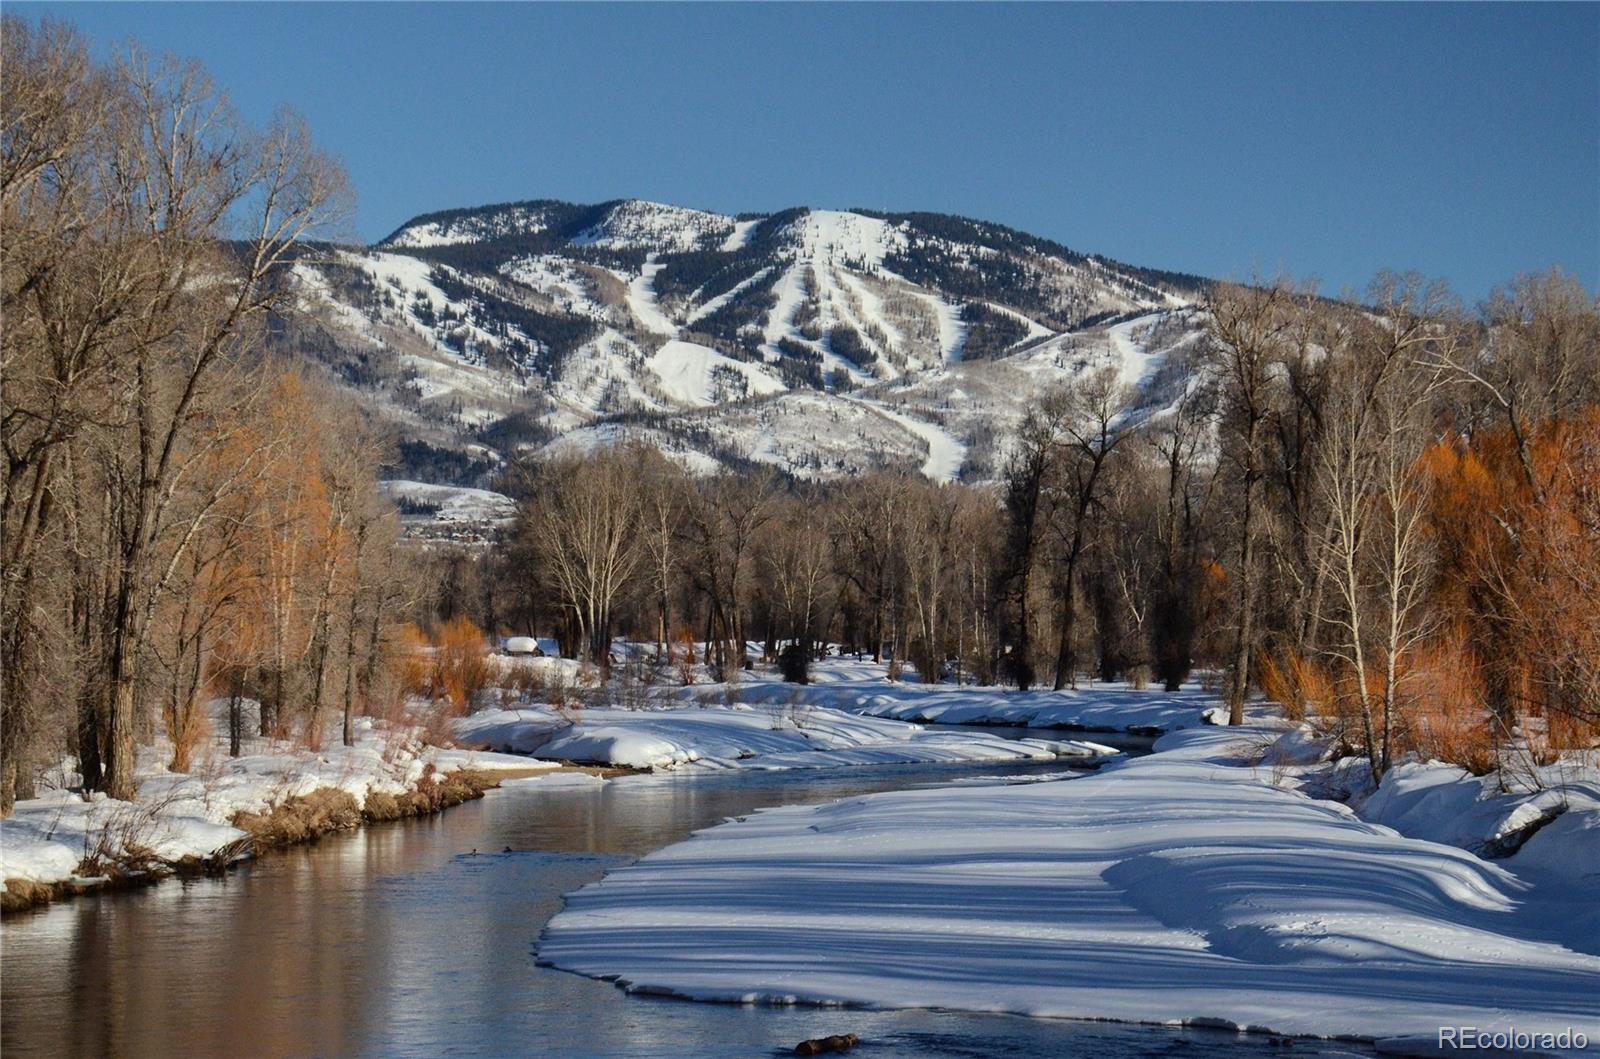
[[1301, 686], [411, 656], [1552, 596], [1276, 685], [1448, 715], [1517, 528], [460, 664], [686, 659], [188, 728]]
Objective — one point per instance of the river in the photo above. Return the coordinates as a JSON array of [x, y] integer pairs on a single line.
[[419, 938]]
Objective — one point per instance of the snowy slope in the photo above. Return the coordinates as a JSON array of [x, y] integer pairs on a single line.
[[452, 503], [698, 375], [642, 300], [945, 453]]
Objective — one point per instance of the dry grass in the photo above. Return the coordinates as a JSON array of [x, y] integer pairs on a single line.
[[20, 895], [301, 818], [433, 793]]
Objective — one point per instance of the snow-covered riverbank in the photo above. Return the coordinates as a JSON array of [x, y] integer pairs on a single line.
[[779, 734], [1194, 885], [62, 838]]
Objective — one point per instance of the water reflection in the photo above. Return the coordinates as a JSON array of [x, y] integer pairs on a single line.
[[399, 940]]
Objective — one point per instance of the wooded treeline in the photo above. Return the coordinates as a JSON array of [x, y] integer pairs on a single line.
[[1383, 511], [181, 518]]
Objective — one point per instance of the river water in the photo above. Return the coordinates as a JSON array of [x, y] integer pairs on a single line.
[[400, 940]]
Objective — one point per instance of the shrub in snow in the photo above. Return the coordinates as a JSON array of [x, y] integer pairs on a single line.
[[794, 665]]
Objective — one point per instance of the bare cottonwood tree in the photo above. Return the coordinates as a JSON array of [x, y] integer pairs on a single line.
[[1247, 325], [799, 565], [1178, 437], [582, 516], [1088, 414], [1374, 494], [665, 487]]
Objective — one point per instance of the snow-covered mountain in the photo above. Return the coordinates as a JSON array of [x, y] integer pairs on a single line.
[[821, 341]]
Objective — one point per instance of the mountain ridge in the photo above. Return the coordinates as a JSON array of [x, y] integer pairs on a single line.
[[819, 341]]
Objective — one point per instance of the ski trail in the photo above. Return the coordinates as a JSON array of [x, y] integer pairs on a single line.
[[642, 300], [945, 452]]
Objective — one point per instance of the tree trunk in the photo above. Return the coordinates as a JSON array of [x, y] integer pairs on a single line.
[[236, 713], [350, 672], [120, 745], [1066, 664], [1247, 606]]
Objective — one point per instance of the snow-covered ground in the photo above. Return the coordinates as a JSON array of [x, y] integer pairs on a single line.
[[699, 376], [455, 503], [778, 734], [945, 453], [860, 687], [1193, 885], [638, 224], [740, 236], [952, 331], [1546, 827], [642, 300], [179, 815]]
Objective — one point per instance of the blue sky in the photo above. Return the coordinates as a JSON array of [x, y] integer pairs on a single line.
[[1328, 140]]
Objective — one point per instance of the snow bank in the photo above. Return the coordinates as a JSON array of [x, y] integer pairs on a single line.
[[557, 780], [860, 687], [1180, 887], [777, 736], [1548, 831], [180, 815]]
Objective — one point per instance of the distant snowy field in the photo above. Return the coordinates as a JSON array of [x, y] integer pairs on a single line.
[[1187, 886], [455, 503]]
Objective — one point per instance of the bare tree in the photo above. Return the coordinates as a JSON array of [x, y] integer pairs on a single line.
[[1088, 415], [582, 518], [1539, 358], [662, 511], [799, 566], [1177, 437], [1026, 472], [931, 545], [1377, 552], [126, 310], [1247, 325]]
